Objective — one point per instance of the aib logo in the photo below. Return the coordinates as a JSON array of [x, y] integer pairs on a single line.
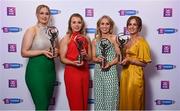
[[12, 100], [12, 65], [89, 12], [166, 30], [11, 11], [166, 49], [165, 66], [90, 30], [164, 84], [127, 12], [12, 48], [164, 102], [168, 12], [11, 29], [12, 83], [57, 83], [55, 11]]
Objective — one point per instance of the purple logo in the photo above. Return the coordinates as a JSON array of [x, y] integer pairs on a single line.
[[165, 66], [127, 12], [89, 12], [12, 100], [126, 31], [12, 48], [11, 11], [164, 84], [166, 30], [12, 65], [168, 12], [166, 49], [164, 102], [11, 29], [12, 83]]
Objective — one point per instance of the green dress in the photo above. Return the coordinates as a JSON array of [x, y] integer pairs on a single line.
[[106, 88], [40, 73]]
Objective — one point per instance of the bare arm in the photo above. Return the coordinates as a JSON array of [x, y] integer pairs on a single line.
[[27, 43], [63, 50]]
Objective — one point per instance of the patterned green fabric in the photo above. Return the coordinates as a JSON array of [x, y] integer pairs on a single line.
[[106, 88]]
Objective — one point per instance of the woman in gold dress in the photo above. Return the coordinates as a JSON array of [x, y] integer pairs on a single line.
[[136, 57]]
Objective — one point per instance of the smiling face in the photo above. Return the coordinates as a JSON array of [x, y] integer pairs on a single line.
[[76, 24], [104, 26], [134, 25], [43, 15]]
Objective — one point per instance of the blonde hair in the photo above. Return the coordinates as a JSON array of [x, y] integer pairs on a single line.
[[98, 32]]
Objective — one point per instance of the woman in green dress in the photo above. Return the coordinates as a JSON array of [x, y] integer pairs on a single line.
[[105, 53], [40, 71]]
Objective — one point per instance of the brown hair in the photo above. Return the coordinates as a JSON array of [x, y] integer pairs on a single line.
[[82, 31], [138, 20]]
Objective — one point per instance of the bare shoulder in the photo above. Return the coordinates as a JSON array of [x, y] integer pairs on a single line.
[[64, 39]]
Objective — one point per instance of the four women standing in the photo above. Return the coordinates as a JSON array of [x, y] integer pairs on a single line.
[[75, 53]]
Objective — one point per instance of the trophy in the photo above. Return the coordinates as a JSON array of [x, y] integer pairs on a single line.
[[53, 34], [105, 44], [122, 40], [80, 42]]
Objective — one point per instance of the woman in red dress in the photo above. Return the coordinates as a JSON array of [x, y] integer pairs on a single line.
[[75, 54]]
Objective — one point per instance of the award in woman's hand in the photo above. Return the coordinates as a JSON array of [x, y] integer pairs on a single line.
[[53, 34], [122, 40], [80, 42], [105, 44]]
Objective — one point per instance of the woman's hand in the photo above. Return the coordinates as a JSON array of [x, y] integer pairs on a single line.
[[76, 63]]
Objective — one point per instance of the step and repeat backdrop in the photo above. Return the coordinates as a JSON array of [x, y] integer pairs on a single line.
[[161, 23]]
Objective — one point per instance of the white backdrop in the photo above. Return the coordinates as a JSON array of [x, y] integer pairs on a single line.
[[160, 28]]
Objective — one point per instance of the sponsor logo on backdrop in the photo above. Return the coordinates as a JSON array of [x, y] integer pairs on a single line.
[[126, 31], [11, 11], [11, 29], [127, 12], [165, 66], [166, 49], [167, 30], [12, 100], [164, 102], [12, 83], [55, 11], [90, 30], [91, 66], [12, 65], [168, 12], [89, 12], [12, 48], [91, 101], [165, 84]]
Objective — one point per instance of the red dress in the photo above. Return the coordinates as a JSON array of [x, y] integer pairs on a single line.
[[76, 78]]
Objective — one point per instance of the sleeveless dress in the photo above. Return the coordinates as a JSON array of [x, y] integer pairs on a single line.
[[106, 87], [40, 73], [76, 78], [132, 78]]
